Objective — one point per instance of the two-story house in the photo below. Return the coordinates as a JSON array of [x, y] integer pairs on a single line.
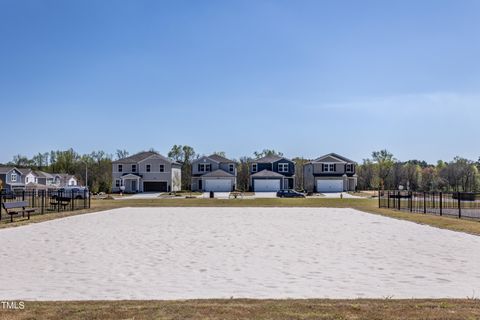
[[330, 173], [146, 172], [11, 178], [272, 173], [214, 173]]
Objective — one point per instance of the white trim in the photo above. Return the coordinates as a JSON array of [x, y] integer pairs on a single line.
[[283, 167], [329, 155]]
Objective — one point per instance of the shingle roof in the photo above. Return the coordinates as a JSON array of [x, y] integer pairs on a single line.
[[219, 173], [142, 156], [24, 170], [42, 174], [336, 156], [266, 173], [269, 159], [219, 158], [6, 169]]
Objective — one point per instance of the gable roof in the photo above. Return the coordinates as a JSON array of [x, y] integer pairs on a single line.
[[219, 173], [219, 158], [7, 169], [143, 156], [270, 159], [24, 171], [334, 155], [43, 174], [266, 173]]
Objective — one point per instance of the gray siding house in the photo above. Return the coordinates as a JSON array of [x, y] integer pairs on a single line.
[[146, 172], [11, 178], [214, 173], [330, 173], [272, 173]]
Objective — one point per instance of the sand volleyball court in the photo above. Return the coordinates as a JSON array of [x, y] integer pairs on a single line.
[[182, 253]]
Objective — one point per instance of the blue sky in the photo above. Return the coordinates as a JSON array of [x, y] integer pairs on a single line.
[[303, 77]]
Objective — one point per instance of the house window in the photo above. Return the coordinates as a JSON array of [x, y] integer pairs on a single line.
[[120, 168], [231, 167], [148, 168], [254, 167], [14, 177], [134, 168], [202, 167], [162, 168], [117, 183], [283, 167], [329, 167], [349, 167]]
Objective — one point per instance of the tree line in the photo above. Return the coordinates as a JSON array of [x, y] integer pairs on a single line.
[[382, 170]]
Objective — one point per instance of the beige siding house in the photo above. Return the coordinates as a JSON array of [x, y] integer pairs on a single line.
[[330, 173], [146, 172]]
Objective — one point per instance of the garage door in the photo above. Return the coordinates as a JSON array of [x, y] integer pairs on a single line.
[[155, 186], [218, 185], [330, 185], [268, 185]]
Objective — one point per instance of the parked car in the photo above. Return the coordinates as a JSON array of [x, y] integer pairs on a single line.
[[290, 194], [75, 192]]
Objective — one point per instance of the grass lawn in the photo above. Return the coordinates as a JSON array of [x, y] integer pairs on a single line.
[[251, 309]]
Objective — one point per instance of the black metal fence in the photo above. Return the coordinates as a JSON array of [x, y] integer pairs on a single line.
[[48, 200], [457, 204]]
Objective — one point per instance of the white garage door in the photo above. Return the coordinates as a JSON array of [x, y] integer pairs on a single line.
[[329, 185], [218, 185], [268, 185]]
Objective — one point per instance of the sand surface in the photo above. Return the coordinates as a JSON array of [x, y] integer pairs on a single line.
[[179, 253]]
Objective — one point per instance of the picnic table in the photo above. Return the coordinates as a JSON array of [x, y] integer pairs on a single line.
[[17, 207]]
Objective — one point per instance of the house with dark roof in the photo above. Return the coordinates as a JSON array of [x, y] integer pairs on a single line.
[[330, 173], [272, 173], [214, 173], [146, 172], [11, 178]]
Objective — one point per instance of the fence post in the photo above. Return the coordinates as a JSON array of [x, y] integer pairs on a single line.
[[43, 202], [459, 206], [59, 195], [410, 201], [89, 199], [23, 195], [1, 205], [388, 199], [72, 199], [424, 202], [441, 203], [398, 195], [379, 202]]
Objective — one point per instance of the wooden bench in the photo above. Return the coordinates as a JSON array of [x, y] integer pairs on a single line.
[[15, 208], [60, 201]]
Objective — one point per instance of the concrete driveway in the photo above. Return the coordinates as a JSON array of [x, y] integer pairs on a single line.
[[144, 195], [217, 195], [337, 195], [265, 194]]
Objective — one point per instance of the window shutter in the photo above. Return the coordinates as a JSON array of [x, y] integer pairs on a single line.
[[323, 167], [199, 167], [335, 167]]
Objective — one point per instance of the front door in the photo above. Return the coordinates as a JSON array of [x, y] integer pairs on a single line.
[[134, 185]]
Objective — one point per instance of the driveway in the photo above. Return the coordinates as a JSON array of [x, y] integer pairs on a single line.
[[217, 195], [144, 195], [337, 195], [265, 194]]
